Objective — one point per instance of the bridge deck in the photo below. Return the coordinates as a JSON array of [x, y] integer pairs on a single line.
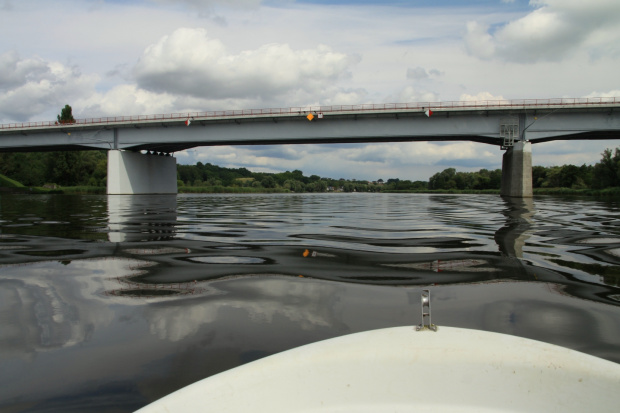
[[365, 109], [543, 119]]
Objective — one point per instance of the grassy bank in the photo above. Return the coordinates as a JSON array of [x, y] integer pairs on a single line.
[[444, 191], [607, 192], [79, 190], [11, 186], [9, 183]]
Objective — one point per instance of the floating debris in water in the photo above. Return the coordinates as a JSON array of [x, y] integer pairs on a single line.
[[308, 253]]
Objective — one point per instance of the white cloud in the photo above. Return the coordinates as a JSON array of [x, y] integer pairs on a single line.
[[126, 100], [478, 41], [417, 73], [480, 97], [189, 63], [410, 94], [609, 94], [30, 86], [552, 31], [420, 73]]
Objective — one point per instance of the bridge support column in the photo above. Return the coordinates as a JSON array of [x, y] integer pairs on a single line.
[[134, 173], [517, 171]]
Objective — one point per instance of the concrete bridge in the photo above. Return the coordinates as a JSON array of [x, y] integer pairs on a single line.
[[511, 125]]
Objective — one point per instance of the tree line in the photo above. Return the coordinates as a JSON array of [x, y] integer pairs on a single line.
[[89, 168], [604, 174], [73, 168], [208, 175]]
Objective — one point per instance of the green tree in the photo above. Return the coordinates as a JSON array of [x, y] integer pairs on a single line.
[[606, 171], [539, 176], [65, 115], [294, 185], [443, 179], [268, 182]]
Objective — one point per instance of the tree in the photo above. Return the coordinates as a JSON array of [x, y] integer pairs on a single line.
[[294, 185], [268, 182], [443, 179], [65, 115], [539, 176], [606, 171]]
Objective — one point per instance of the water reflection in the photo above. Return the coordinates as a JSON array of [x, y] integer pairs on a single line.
[[52, 304], [512, 236], [67, 216], [141, 217], [345, 246], [130, 298], [308, 304]]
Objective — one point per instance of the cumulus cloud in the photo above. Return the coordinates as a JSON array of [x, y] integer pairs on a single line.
[[410, 94], [334, 96], [482, 96], [30, 86], [189, 63], [419, 73], [609, 94], [552, 31], [126, 100]]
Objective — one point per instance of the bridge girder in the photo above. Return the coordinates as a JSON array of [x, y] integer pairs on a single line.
[[483, 126]]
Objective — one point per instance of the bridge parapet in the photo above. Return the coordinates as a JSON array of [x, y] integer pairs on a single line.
[[420, 107]]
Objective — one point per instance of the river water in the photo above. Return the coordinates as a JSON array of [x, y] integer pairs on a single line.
[[110, 302]]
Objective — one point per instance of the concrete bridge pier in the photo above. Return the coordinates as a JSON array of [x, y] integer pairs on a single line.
[[517, 171], [136, 173]]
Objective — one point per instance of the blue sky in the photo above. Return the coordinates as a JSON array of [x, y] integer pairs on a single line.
[[110, 58]]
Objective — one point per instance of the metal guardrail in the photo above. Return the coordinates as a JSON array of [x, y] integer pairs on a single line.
[[421, 106]]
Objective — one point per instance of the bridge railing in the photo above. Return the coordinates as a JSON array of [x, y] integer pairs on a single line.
[[421, 106]]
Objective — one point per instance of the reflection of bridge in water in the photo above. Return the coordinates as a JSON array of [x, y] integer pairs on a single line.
[[213, 255], [131, 288], [510, 125], [142, 218], [154, 218], [511, 237]]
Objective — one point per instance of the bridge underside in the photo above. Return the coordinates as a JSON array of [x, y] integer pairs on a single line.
[[181, 146]]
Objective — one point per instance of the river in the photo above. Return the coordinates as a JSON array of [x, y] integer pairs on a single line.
[[110, 302]]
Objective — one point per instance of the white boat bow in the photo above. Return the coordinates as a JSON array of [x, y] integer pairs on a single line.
[[403, 370]]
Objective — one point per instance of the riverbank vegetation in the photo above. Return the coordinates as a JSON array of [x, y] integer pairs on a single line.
[[85, 172]]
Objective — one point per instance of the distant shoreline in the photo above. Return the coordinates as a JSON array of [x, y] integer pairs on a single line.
[[97, 190]]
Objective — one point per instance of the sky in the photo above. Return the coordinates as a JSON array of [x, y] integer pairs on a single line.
[[137, 57]]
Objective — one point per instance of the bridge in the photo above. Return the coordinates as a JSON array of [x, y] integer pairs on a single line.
[[512, 125]]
